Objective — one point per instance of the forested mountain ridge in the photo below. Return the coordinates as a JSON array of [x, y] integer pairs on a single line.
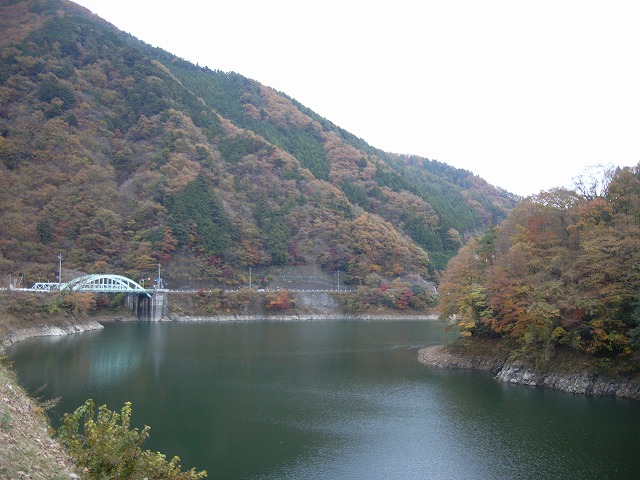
[[121, 156]]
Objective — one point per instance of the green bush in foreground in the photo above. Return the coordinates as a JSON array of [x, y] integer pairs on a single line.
[[107, 448]]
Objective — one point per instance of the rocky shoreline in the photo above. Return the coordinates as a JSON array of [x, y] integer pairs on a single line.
[[517, 373], [57, 326], [64, 328]]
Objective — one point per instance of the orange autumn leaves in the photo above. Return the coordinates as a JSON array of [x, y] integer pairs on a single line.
[[562, 271]]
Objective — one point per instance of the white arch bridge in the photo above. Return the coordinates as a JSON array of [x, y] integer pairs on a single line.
[[98, 283], [146, 304]]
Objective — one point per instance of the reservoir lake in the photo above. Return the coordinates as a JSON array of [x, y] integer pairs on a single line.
[[341, 399]]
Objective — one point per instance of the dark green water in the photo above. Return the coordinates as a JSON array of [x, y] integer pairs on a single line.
[[329, 400]]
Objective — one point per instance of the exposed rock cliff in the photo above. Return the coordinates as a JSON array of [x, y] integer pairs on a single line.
[[569, 382], [442, 357]]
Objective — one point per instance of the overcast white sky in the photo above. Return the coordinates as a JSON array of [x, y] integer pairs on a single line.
[[525, 94]]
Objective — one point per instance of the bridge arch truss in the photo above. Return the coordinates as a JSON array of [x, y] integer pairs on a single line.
[[104, 283]]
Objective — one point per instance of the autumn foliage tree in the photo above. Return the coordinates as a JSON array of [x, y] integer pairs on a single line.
[[280, 300], [562, 272], [106, 446]]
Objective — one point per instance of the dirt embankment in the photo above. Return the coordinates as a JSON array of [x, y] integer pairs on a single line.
[[26, 448], [244, 305]]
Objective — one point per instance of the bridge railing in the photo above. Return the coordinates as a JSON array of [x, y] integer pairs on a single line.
[[45, 286]]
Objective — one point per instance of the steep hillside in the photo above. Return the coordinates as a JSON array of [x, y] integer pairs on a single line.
[[122, 156], [455, 202]]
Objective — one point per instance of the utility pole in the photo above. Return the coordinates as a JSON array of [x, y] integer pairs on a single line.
[[59, 270], [159, 282], [250, 287], [338, 280]]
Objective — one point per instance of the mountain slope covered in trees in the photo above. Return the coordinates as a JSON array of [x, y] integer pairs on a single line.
[[560, 275], [122, 156]]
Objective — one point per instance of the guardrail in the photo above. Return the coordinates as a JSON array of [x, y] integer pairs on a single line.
[[40, 289]]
